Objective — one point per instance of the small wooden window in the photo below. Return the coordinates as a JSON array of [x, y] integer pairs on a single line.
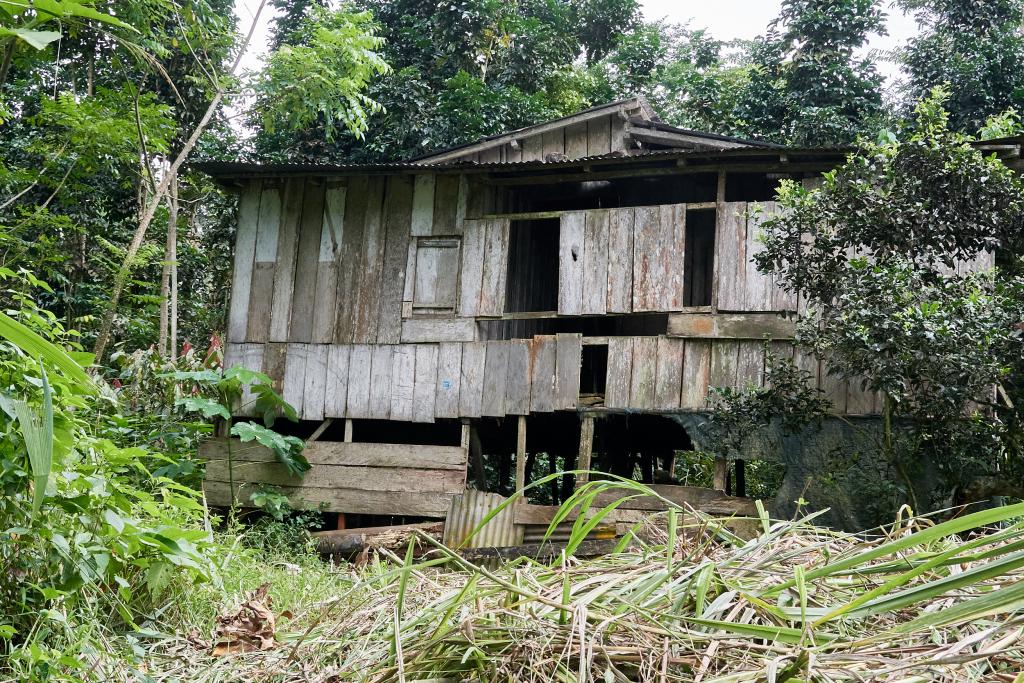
[[436, 275]]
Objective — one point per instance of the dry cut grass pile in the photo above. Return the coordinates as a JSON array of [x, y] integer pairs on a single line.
[[919, 601]]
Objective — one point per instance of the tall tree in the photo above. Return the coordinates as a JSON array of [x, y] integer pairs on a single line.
[[875, 253], [462, 70], [807, 85], [976, 47]]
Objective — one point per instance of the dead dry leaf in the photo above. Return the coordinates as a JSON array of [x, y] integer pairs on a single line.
[[249, 629]]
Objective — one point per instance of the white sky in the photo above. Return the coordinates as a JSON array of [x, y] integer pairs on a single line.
[[725, 19]]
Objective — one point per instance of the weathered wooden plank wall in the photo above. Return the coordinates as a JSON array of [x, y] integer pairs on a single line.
[[666, 374], [599, 135], [365, 478]]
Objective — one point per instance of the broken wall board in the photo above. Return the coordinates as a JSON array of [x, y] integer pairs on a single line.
[[332, 232]]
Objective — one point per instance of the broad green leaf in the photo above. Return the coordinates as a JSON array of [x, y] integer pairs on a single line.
[[34, 345], [37, 39], [37, 431], [205, 406]]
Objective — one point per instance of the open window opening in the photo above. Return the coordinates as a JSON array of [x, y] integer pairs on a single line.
[[593, 374], [698, 267], [750, 187], [611, 194], [625, 325], [532, 282]]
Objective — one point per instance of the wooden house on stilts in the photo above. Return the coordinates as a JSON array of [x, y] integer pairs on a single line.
[[565, 289]]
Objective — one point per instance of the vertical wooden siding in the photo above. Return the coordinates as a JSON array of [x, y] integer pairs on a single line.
[[421, 382]]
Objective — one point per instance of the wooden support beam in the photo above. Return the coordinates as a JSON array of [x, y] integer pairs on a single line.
[[521, 454], [320, 430], [719, 222], [721, 470], [586, 449], [348, 431], [731, 326]]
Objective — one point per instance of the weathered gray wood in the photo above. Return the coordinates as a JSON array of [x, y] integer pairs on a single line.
[[586, 449], [251, 358], [760, 290], [642, 384], [398, 210], [730, 256], [331, 236], [570, 262], [449, 379], [347, 454], [599, 136], [359, 381], [495, 268], [295, 376], [517, 381], [425, 388], [471, 271], [471, 381], [300, 328], [620, 261], [261, 294], [380, 381], [437, 268], [669, 373], [275, 357], [731, 326], [533, 148], [336, 391], [808, 362], [495, 376], [834, 388], [352, 501], [750, 364], [576, 140], [418, 330], [595, 263], [314, 395], [446, 205], [672, 254], [620, 372], [543, 349], [858, 400], [260, 302], [520, 453], [647, 274], [284, 268], [554, 142], [423, 205], [696, 375], [245, 255], [403, 377], [367, 310], [703, 499], [568, 359], [724, 361], [350, 261]]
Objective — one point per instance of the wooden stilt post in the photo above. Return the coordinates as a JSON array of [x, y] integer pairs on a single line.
[[348, 430], [586, 449], [721, 468], [521, 454]]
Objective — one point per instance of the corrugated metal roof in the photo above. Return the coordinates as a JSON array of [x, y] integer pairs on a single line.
[[236, 169]]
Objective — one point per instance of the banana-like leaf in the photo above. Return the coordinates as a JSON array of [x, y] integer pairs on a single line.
[[34, 345], [37, 431], [37, 39]]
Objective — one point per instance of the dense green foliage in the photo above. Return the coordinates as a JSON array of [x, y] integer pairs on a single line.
[[974, 47], [890, 307]]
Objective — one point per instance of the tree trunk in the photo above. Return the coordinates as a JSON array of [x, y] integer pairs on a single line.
[[121, 278]]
